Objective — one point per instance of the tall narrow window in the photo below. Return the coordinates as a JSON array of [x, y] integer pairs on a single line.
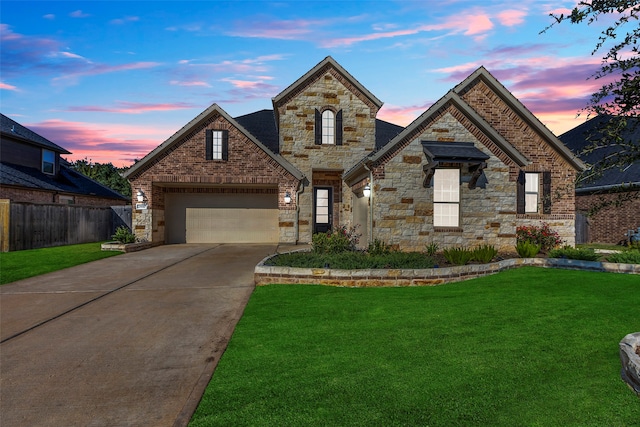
[[48, 161], [328, 127], [531, 192], [446, 198], [217, 145]]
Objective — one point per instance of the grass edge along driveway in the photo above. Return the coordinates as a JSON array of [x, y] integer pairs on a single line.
[[526, 347], [19, 265]]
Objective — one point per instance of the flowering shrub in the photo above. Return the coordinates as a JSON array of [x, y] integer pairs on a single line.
[[341, 239], [542, 236]]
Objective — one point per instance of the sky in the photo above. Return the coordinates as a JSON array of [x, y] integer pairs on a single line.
[[111, 80]]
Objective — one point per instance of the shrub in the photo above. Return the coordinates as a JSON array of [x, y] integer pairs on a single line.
[[378, 247], [484, 253], [526, 249], [458, 256], [342, 239], [568, 252], [627, 257], [543, 236], [431, 248], [124, 235], [351, 260]]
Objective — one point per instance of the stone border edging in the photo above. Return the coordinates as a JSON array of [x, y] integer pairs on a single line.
[[126, 247], [630, 371], [265, 275]]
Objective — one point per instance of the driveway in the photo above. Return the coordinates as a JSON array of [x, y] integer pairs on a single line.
[[125, 341]]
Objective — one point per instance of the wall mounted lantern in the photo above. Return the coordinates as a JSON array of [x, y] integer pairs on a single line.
[[140, 196], [287, 197], [366, 191]]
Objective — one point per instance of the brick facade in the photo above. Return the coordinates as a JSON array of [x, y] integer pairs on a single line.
[[609, 224], [184, 165]]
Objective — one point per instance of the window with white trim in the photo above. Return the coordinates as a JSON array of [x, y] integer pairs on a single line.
[[216, 145], [48, 161], [328, 127], [531, 192], [446, 198]]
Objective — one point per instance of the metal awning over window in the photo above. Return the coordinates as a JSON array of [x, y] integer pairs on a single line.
[[461, 153]]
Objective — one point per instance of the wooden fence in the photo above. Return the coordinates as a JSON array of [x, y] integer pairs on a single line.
[[32, 226]]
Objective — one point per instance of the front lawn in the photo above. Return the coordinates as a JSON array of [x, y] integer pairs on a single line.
[[524, 347], [33, 262]]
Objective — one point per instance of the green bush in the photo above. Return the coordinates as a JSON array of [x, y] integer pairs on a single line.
[[378, 247], [123, 235], [484, 253], [431, 248], [351, 260], [526, 249], [342, 239], [574, 253], [626, 257], [458, 256]]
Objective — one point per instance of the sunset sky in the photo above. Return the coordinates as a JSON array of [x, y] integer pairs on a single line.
[[111, 80]]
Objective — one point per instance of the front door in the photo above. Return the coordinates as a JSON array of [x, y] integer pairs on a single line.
[[323, 206]]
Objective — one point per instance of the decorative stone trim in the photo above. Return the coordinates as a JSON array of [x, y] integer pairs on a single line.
[[630, 359], [265, 275], [128, 247]]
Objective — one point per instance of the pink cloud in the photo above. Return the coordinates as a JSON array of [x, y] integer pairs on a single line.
[[103, 143], [6, 86], [510, 18], [124, 107], [469, 24], [275, 29], [402, 116], [79, 14], [191, 83], [124, 20], [96, 69]]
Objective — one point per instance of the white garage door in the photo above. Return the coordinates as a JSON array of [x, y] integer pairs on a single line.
[[221, 217]]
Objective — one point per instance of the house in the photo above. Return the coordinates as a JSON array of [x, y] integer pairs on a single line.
[[468, 171], [32, 171], [609, 202]]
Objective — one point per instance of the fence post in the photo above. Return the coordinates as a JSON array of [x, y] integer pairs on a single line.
[[5, 214]]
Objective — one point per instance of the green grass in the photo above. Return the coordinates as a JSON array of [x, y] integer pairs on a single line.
[[526, 347], [33, 262]]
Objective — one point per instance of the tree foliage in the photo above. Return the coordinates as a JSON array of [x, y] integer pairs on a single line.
[[105, 173], [619, 95]]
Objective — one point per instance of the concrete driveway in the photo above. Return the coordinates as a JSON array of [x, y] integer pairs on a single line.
[[125, 341]]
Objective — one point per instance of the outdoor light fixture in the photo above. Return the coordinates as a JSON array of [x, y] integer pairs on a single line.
[[287, 197], [140, 196], [366, 191]]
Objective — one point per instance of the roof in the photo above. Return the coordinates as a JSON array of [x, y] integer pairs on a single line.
[[576, 140], [13, 129], [214, 109], [68, 180], [453, 152]]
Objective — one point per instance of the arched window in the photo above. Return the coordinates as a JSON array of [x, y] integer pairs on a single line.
[[328, 127]]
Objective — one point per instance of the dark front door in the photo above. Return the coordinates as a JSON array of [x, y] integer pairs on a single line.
[[323, 209]]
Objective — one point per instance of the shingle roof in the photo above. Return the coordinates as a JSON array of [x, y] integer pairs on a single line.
[[67, 181], [576, 140], [16, 130]]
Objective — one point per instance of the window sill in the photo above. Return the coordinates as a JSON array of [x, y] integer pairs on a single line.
[[447, 230]]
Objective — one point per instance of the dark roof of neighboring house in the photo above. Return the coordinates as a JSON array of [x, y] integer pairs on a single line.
[[262, 125], [14, 129], [576, 140], [67, 181]]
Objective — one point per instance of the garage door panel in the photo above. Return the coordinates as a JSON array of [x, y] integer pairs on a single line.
[[227, 225], [221, 217]]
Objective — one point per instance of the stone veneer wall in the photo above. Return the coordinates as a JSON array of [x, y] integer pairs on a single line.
[[609, 224], [403, 208], [184, 165], [327, 89]]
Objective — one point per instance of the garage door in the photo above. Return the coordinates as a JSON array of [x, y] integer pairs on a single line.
[[221, 217]]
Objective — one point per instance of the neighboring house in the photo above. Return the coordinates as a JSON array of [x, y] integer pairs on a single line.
[[468, 171], [31, 170], [609, 202]]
